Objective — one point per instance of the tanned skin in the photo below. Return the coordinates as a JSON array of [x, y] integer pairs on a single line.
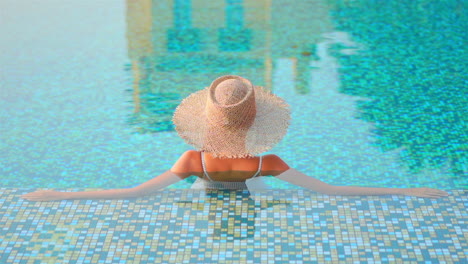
[[226, 169]]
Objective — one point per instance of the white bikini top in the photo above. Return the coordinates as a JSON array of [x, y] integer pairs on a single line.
[[205, 173]]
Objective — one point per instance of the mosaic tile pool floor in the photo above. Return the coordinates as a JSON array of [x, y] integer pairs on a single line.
[[277, 226]]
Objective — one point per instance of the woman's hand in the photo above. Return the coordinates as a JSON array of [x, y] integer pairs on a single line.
[[425, 192], [45, 195]]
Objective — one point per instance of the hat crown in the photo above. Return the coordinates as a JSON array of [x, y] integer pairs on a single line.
[[231, 103], [230, 92]]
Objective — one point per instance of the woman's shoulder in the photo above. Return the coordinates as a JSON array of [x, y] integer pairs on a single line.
[[273, 165], [191, 154], [188, 162]]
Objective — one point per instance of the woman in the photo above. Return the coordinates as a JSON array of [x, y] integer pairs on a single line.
[[230, 123]]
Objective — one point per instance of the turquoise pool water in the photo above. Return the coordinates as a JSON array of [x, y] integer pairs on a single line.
[[377, 90], [378, 97]]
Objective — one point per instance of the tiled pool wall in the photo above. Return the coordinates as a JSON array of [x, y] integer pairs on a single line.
[[275, 226]]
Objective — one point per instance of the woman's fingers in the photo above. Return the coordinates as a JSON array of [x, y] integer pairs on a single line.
[[429, 193], [436, 193], [34, 196], [42, 195]]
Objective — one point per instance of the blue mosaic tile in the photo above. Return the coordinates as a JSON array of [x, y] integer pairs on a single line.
[[277, 226]]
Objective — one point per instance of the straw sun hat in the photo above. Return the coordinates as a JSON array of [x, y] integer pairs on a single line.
[[232, 118]]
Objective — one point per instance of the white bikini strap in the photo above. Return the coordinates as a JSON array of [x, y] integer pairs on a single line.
[[259, 167], [205, 173]]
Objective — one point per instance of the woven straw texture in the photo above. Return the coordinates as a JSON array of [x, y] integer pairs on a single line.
[[232, 118]]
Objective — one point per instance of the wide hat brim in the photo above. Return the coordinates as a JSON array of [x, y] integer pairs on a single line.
[[268, 128]]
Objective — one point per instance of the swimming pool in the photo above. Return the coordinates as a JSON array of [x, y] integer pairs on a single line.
[[376, 98], [377, 91]]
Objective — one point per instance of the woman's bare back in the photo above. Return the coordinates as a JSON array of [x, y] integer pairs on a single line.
[[227, 169]]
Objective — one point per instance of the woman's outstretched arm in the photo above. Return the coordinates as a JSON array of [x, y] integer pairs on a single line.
[[161, 181], [296, 177], [277, 167], [158, 182]]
